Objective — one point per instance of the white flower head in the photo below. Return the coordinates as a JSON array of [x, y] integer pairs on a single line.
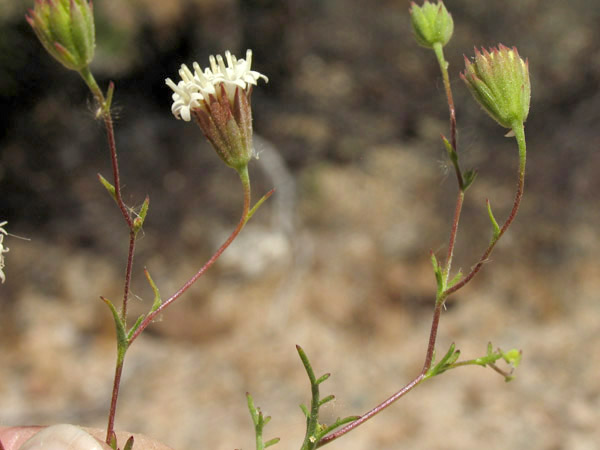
[[2, 250], [196, 89]]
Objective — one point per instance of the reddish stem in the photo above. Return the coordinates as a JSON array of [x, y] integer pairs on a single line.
[[519, 132], [150, 317], [108, 123], [113, 402], [402, 392], [488, 251]]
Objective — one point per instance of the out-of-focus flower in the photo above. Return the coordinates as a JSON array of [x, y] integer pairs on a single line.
[[66, 30], [431, 23], [218, 97], [499, 81], [2, 250]]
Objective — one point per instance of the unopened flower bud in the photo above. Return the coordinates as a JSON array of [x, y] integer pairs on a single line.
[[431, 23], [66, 30], [219, 99], [499, 81]]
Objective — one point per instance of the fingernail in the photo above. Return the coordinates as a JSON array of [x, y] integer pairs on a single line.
[[61, 437]]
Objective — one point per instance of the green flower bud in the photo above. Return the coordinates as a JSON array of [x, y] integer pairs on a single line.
[[499, 81], [431, 23], [66, 30]]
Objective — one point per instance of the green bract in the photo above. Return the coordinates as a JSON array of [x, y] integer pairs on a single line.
[[431, 23], [499, 81], [66, 30]]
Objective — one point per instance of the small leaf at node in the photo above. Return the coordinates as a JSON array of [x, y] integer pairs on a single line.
[[129, 443], [468, 178], [437, 270], [272, 442], [326, 399], [323, 378], [451, 152], [139, 220], [157, 300], [493, 220], [109, 187], [122, 342], [135, 326], [113, 441], [455, 280], [305, 411]]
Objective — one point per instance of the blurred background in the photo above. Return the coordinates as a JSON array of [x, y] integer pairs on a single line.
[[337, 261]]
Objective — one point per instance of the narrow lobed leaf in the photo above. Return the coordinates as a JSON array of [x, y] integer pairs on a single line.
[[157, 299], [326, 400], [109, 187], [135, 326], [495, 225], [305, 411], [323, 378], [129, 444], [272, 442]]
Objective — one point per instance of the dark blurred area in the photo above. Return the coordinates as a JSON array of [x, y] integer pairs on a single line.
[[348, 131]]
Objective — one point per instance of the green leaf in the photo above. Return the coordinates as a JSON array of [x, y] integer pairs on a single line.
[[448, 355], [305, 411], [451, 152], [323, 378], [453, 358], [109, 187], [252, 409], [455, 280], [157, 299], [113, 441], [468, 178], [129, 443], [326, 399], [139, 220], [259, 422], [272, 442], [437, 270], [135, 326], [493, 220], [122, 342], [445, 363]]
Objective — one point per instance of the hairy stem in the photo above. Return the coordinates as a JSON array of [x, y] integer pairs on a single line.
[[113, 401], [104, 111], [439, 53]]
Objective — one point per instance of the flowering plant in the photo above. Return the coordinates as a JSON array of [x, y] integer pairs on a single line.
[[218, 98]]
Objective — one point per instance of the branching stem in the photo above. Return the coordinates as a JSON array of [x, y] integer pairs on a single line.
[[519, 132]]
